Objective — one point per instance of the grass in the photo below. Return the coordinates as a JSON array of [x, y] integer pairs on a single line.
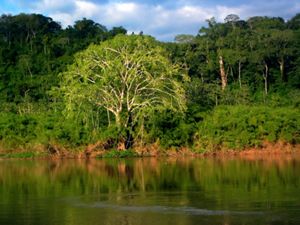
[[120, 154], [22, 155]]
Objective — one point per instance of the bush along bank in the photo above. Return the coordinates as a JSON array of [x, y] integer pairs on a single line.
[[242, 127], [225, 128]]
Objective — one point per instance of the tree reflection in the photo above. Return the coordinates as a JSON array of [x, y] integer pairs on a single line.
[[32, 190]]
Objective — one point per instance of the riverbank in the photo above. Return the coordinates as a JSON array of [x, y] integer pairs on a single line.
[[224, 130], [52, 151]]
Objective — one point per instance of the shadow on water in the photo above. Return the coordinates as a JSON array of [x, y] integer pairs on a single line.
[[151, 191]]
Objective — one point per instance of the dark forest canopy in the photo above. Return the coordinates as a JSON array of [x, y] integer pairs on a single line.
[[235, 62], [34, 49]]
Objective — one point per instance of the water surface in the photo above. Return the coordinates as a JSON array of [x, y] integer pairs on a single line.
[[151, 191]]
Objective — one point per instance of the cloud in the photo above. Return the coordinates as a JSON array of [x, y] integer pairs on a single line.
[[86, 9], [159, 20], [162, 19], [223, 11], [116, 13], [53, 5]]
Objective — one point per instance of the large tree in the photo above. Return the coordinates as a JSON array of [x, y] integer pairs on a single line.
[[127, 76]]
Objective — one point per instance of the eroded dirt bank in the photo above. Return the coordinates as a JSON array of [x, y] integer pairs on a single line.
[[98, 150]]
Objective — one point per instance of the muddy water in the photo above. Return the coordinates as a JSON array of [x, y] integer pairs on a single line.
[[151, 191]]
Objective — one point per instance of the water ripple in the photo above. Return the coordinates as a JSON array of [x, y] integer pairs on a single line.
[[167, 209]]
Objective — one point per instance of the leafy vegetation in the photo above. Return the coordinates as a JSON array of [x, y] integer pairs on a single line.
[[233, 85], [119, 154], [237, 127]]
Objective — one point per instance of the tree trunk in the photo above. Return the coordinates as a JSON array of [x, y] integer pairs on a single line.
[[265, 75], [108, 118], [240, 75], [222, 73], [129, 137], [281, 65], [118, 120], [29, 70]]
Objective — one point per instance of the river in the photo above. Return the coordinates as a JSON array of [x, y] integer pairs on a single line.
[[151, 191]]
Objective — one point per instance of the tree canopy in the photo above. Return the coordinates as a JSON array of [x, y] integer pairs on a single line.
[[128, 76]]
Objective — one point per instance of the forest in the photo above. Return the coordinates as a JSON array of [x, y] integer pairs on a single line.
[[86, 88]]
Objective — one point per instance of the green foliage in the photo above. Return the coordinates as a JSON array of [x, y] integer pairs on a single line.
[[34, 49], [160, 103], [126, 76], [24, 130], [170, 129], [22, 155], [258, 54], [119, 154], [17, 129], [237, 127]]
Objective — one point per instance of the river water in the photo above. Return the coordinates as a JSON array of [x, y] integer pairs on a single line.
[[151, 191]]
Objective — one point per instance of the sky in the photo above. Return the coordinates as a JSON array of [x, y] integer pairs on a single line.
[[163, 19]]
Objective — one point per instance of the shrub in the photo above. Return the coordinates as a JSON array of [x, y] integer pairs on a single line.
[[171, 129], [237, 127], [120, 154]]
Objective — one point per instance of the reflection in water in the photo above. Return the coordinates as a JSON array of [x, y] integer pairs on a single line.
[[151, 191], [166, 210]]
